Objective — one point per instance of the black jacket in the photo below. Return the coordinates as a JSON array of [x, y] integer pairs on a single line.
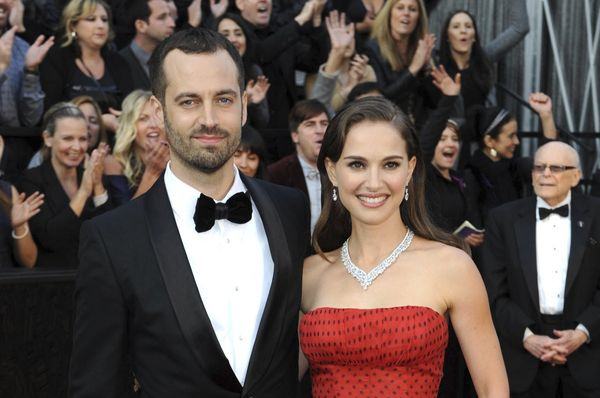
[[510, 273], [140, 79], [55, 228], [136, 298]]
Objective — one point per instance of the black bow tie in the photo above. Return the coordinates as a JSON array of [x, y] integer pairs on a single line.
[[237, 209], [562, 211]]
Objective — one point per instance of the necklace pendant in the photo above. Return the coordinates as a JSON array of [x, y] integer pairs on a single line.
[[366, 279]]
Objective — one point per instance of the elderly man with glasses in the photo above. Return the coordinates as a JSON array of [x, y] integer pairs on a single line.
[[542, 270]]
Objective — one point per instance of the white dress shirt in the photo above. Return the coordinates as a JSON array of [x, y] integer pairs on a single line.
[[232, 267], [313, 185], [553, 248]]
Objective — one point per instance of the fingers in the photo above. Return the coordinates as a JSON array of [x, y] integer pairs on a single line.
[[114, 112], [457, 79], [38, 42]]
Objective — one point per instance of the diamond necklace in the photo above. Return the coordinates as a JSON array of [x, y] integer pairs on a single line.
[[366, 279]]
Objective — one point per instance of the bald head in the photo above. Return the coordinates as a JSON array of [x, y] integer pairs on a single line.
[[559, 150], [554, 186]]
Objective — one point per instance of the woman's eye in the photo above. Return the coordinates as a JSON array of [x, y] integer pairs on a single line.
[[392, 165], [356, 165]]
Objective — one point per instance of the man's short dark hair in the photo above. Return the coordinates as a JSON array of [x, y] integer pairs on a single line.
[[139, 9], [190, 41], [304, 110]]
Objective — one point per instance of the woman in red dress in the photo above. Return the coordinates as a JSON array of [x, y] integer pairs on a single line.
[[376, 296]]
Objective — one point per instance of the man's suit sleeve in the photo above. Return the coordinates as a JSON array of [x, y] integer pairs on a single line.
[[98, 365], [509, 318], [590, 317]]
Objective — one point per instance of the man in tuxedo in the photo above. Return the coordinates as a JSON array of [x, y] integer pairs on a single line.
[[541, 263], [308, 121], [196, 298]]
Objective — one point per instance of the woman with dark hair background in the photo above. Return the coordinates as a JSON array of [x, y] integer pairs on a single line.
[[501, 175], [251, 156], [374, 310], [234, 29]]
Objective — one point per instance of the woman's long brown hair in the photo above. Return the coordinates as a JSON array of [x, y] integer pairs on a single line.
[[334, 225]]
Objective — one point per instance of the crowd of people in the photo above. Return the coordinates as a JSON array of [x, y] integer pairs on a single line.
[[329, 88]]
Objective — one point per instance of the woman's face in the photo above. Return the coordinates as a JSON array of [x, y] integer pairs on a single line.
[[234, 33], [404, 18], [446, 150], [507, 141], [372, 172], [247, 162], [92, 30], [93, 123], [69, 143], [149, 131], [461, 33]]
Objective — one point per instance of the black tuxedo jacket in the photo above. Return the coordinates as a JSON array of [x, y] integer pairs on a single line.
[[138, 307], [510, 272], [138, 74]]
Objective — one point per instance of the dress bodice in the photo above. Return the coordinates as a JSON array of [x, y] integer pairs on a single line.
[[380, 352]]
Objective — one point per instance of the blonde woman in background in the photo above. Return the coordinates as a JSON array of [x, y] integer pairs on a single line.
[[399, 51], [141, 151]]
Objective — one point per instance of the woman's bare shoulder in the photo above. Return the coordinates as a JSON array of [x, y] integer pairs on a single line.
[[448, 258], [316, 264]]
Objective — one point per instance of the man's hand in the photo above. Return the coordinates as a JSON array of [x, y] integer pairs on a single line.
[[37, 52], [540, 347], [568, 341]]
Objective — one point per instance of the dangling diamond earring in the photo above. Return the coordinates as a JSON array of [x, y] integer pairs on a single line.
[[334, 195], [406, 193]]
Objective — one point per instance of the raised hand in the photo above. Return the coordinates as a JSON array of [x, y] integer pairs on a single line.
[[423, 53], [444, 82], [218, 7], [340, 34], [6, 45], [358, 69], [257, 91], [306, 13], [195, 13], [24, 208], [15, 17], [317, 12], [37, 52], [541, 103]]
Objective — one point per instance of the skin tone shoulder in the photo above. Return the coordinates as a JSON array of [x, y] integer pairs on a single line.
[[371, 175]]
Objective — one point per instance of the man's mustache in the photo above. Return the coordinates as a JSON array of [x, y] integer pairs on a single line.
[[215, 131]]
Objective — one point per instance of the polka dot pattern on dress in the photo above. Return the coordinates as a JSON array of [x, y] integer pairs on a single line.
[[380, 352]]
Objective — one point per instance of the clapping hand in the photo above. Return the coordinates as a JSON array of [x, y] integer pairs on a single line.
[[257, 91], [156, 157], [340, 34], [24, 208], [6, 45], [317, 17], [423, 53], [15, 17], [541, 103], [37, 52], [358, 69], [444, 82]]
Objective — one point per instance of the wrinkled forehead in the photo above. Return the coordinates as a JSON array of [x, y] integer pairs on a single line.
[[557, 153]]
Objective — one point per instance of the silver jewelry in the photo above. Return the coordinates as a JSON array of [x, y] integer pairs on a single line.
[[366, 279], [334, 195], [406, 193], [15, 236]]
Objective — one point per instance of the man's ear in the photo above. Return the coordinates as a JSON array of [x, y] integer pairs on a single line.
[[244, 107], [330, 167], [240, 4], [294, 137], [140, 25], [157, 108]]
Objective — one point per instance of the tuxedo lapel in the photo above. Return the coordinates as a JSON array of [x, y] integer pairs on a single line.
[[580, 230], [525, 235], [183, 291], [272, 321]]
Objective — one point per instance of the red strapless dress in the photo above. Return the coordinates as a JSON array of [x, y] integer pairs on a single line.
[[381, 352]]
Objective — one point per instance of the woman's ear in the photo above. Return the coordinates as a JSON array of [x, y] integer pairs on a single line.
[[47, 139], [330, 167], [488, 141], [412, 163]]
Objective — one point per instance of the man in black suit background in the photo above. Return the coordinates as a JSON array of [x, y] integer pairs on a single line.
[[153, 23], [197, 298], [542, 270]]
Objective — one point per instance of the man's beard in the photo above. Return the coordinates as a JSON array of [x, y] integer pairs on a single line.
[[205, 159]]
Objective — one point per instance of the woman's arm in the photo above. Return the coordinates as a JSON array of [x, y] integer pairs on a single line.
[[511, 36], [25, 249], [471, 318]]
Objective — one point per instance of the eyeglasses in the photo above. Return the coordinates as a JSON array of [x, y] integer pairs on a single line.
[[554, 168]]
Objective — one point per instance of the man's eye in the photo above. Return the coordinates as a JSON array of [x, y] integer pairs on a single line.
[[225, 101]]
